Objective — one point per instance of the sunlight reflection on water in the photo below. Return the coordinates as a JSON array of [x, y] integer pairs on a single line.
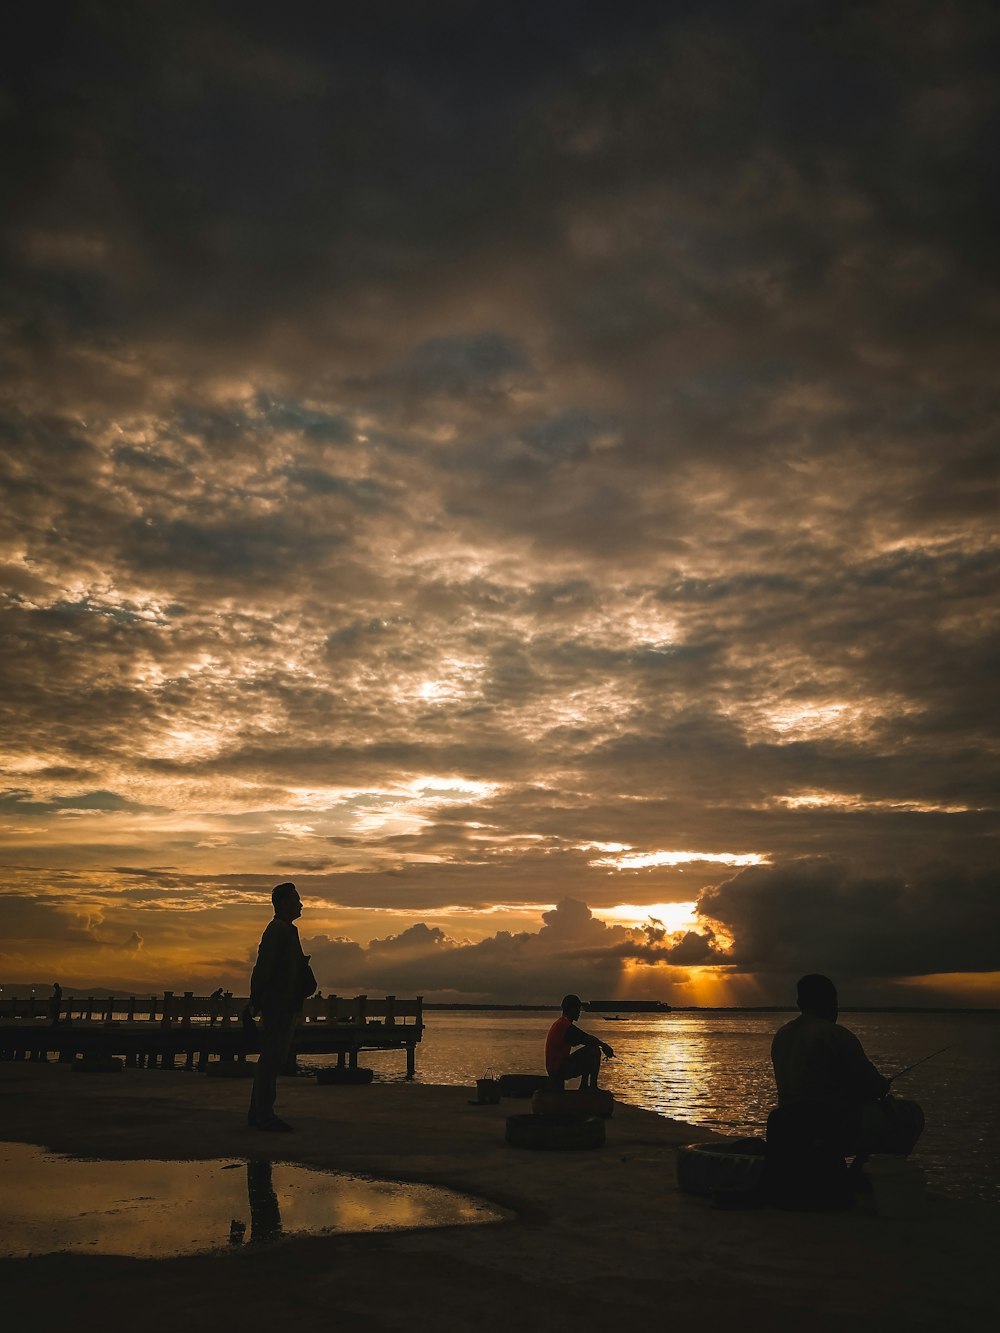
[[714, 1070]]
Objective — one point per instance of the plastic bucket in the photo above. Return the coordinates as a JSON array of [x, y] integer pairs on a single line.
[[488, 1090]]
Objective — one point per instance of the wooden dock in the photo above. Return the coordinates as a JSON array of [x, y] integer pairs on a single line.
[[189, 1031]]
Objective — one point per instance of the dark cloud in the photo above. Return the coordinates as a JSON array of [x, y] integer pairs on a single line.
[[17, 802], [822, 916]]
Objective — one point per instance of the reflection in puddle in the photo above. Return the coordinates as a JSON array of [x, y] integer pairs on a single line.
[[156, 1210]]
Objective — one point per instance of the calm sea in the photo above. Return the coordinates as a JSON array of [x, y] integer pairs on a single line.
[[714, 1071]]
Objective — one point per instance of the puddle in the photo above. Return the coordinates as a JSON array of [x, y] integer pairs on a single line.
[[158, 1210]]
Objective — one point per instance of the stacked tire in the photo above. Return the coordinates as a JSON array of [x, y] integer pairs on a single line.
[[555, 1133]]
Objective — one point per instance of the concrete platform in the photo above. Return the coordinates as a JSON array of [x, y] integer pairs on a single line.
[[603, 1239]]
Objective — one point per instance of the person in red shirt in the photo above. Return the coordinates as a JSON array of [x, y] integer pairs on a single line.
[[561, 1060]]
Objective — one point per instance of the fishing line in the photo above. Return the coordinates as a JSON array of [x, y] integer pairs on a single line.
[[900, 1072]]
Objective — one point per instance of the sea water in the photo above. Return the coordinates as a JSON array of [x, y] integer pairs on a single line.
[[713, 1071]]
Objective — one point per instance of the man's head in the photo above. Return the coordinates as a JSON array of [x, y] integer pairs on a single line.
[[286, 900], [572, 1006], [817, 995]]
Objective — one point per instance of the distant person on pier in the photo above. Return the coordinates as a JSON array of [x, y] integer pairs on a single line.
[[281, 980], [831, 1098], [561, 1060], [56, 1003]]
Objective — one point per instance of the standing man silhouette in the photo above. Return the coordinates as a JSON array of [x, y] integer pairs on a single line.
[[281, 980]]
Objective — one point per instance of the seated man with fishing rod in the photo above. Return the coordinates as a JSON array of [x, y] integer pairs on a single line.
[[832, 1101], [561, 1060]]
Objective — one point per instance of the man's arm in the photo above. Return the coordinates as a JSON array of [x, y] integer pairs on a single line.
[[865, 1080], [577, 1037], [269, 954]]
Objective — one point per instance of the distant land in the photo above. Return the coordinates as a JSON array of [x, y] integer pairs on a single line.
[[727, 1009], [41, 990]]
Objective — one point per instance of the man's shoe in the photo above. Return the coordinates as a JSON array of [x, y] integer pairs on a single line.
[[276, 1126]]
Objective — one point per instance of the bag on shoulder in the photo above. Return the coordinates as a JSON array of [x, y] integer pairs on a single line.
[[307, 981]]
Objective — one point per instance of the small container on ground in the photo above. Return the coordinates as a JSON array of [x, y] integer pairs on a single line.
[[488, 1090]]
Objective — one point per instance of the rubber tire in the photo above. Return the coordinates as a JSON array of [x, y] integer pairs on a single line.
[[598, 1102], [345, 1076], [522, 1085], [703, 1168], [555, 1133]]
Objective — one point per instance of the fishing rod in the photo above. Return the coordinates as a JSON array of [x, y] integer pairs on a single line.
[[900, 1072]]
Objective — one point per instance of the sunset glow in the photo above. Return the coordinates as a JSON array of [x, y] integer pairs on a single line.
[[643, 860], [672, 916]]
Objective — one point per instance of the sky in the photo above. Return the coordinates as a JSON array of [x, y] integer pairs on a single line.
[[525, 473]]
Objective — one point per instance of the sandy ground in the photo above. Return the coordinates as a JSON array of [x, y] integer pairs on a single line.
[[602, 1240]]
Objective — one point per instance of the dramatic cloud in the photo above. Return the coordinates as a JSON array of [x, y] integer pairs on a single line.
[[821, 916], [476, 459], [572, 951]]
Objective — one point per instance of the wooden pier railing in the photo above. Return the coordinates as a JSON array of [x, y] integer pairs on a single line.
[[156, 1029]]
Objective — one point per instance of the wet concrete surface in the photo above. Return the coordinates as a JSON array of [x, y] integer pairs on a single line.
[[602, 1240]]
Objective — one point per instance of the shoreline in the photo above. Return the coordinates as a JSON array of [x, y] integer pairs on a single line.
[[603, 1238]]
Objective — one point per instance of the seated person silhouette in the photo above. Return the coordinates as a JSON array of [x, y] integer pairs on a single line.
[[561, 1060], [832, 1104]]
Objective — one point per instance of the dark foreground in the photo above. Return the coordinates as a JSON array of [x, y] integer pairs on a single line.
[[602, 1241]]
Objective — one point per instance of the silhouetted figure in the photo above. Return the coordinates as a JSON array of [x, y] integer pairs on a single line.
[[832, 1104], [281, 980], [265, 1214], [215, 995], [55, 1004], [561, 1060]]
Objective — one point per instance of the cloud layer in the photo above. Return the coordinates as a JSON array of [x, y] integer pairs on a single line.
[[464, 462]]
